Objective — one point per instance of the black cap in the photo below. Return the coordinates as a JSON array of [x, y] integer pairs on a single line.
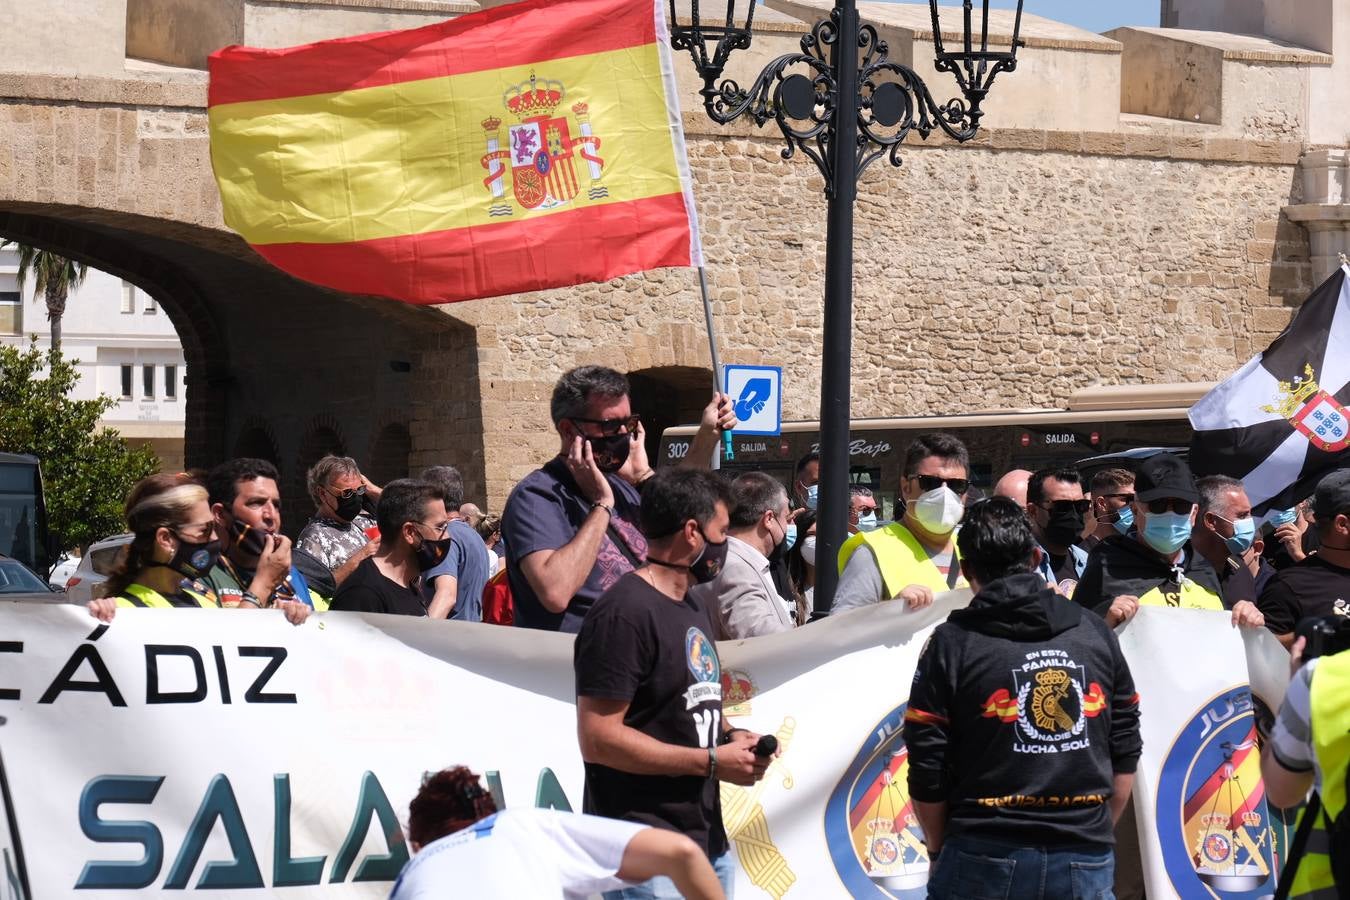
[[1164, 475], [1332, 497]]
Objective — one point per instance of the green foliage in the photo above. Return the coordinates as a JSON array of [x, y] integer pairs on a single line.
[[87, 471]]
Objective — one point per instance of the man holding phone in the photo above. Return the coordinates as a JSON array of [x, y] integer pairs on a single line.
[[1319, 584], [571, 527], [255, 568]]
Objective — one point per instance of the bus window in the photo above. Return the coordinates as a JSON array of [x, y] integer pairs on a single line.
[[23, 524]]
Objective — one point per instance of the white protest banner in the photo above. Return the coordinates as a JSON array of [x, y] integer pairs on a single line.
[[1204, 827], [194, 749], [218, 749]]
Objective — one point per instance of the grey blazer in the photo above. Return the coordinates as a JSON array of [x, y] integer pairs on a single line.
[[742, 599]]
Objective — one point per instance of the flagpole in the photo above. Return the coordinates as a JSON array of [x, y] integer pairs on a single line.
[[716, 362]]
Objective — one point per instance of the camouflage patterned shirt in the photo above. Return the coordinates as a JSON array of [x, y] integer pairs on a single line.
[[333, 542]]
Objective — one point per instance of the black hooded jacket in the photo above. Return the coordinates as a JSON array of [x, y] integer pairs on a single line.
[[1022, 711]]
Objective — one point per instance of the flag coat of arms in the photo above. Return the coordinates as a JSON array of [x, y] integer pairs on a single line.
[[520, 148], [1281, 422]]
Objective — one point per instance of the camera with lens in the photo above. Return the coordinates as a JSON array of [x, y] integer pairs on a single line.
[[1326, 635]]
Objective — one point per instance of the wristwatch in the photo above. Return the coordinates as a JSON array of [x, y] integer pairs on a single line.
[[712, 762]]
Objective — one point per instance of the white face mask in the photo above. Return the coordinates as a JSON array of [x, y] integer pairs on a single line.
[[939, 510], [809, 550]]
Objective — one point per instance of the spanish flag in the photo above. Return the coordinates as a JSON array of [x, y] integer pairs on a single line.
[[525, 147]]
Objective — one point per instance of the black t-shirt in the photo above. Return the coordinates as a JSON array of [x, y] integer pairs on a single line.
[[638, 645], [368, 590], [1311, 587]]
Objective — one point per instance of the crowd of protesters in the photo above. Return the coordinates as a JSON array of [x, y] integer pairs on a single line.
[[651, 569]]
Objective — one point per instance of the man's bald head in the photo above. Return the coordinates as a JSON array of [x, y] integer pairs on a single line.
[[471, 513], [1014, 486]]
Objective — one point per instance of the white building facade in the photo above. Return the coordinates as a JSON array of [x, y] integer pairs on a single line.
[[125, 345]]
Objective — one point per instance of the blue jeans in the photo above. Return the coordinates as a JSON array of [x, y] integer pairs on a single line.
[[974, 869], [662, 888]]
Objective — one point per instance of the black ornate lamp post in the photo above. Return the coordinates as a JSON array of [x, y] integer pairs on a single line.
[[844, 107]]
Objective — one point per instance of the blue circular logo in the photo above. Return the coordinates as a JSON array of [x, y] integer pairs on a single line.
[[871, 828], [1217, 836], [542, 163]]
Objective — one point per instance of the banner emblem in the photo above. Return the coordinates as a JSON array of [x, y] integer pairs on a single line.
[[1217, 837], [875, 840]]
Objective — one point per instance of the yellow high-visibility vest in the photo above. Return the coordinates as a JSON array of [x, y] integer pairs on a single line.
[[902, 559], [1331, 742]]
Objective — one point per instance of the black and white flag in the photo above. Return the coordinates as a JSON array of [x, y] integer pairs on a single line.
[[1280, 423]]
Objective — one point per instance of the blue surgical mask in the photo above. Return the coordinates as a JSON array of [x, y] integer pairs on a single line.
[[1124, 520], [867, 522], [1282, 517], [1167, 532], [790, 537], [812, 496], [1244, 532]]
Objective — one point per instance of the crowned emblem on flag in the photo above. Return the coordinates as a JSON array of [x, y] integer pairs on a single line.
[[540, 150], [1313, 411]]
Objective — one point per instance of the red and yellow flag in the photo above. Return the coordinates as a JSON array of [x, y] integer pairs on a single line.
[[526, 147]]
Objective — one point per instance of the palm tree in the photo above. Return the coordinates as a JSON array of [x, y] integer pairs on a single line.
[[54, 277]]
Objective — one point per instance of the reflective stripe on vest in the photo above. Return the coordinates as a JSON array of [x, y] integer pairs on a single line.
[[140, 595], [1331, 742], [901, 558]]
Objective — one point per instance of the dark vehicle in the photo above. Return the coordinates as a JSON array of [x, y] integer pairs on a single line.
[[16, 578], [23, 515], [1098, 421]]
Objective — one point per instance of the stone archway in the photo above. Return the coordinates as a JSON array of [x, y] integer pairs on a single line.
[[667, 396], [390, 453], [255, 441]]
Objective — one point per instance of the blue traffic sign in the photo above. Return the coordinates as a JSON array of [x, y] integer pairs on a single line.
[[757, 396]]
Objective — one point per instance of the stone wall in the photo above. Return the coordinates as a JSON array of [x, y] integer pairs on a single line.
[[1004, 274]]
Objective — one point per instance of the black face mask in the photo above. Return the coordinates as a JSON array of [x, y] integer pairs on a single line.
[[195, 560], [610, 451], [248, 540], [431, 554], [1064, 528], [708, 564], [348, 508]]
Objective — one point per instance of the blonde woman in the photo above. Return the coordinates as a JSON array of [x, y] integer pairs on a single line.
[[174, 547]]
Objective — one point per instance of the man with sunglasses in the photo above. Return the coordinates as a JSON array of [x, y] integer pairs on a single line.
[[1057, 511], [915, 558], [339, 534], [414, 539], [571, 527], [1156, 565], [1112, 495]]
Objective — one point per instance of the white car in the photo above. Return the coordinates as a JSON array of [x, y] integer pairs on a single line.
[[95, 567], [61, 572]]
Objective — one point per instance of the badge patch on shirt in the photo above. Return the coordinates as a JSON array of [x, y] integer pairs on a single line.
[[701, 656], [1052, 702]]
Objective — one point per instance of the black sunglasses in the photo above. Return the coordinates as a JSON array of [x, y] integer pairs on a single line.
[[349, 493], [1175, 504], [610, 427], [932, 483], [1128, 498], [1063, 506]]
